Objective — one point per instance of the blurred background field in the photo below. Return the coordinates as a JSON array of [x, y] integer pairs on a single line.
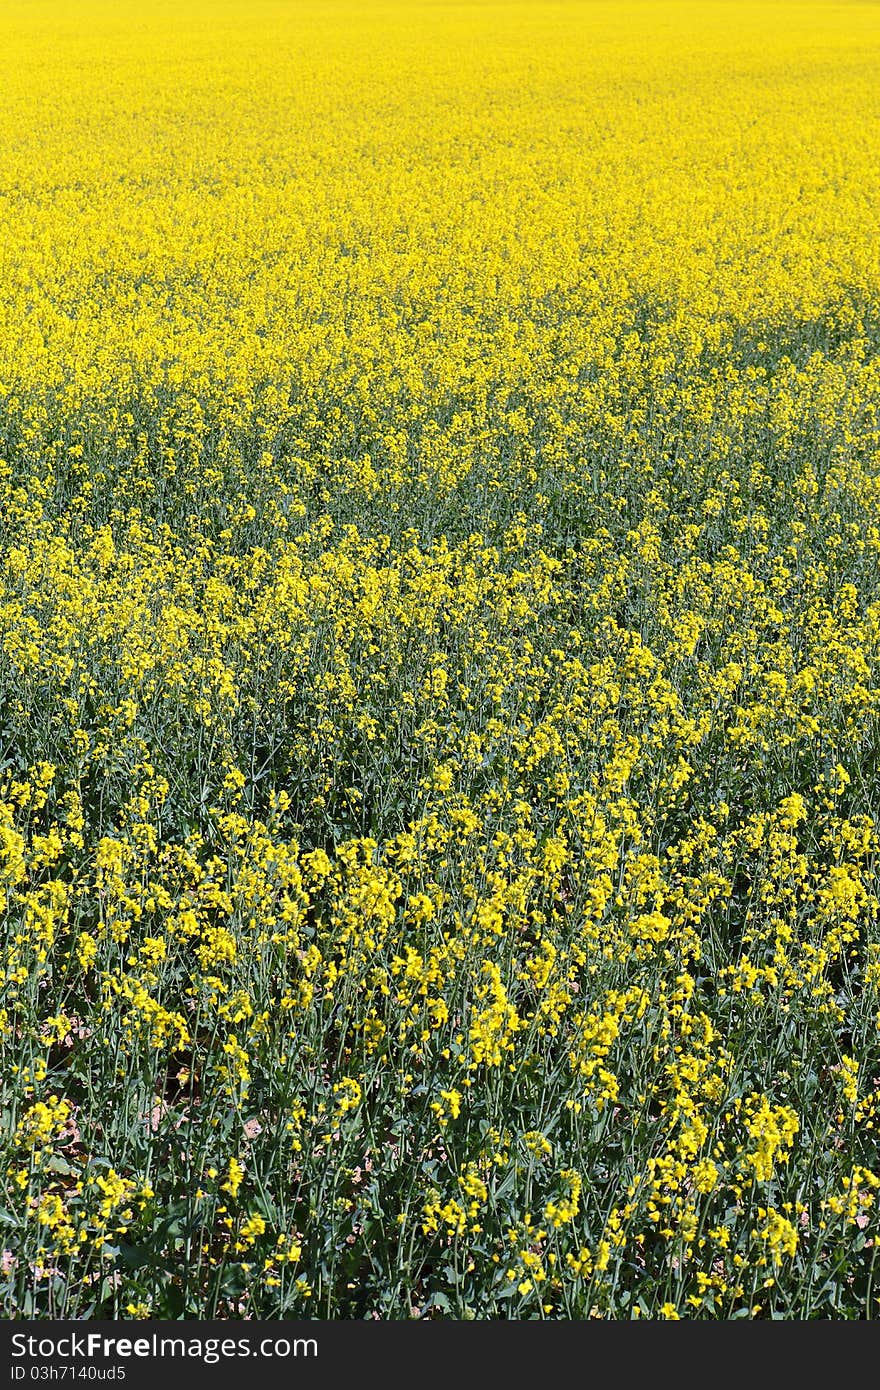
[[439, 659]]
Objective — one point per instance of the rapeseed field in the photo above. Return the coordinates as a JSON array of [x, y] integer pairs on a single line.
[[440, 658]]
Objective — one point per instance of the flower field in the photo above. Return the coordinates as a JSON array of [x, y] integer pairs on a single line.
[[439, 659]]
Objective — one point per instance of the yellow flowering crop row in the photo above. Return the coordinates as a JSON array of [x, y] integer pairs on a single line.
[[439, 658]]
